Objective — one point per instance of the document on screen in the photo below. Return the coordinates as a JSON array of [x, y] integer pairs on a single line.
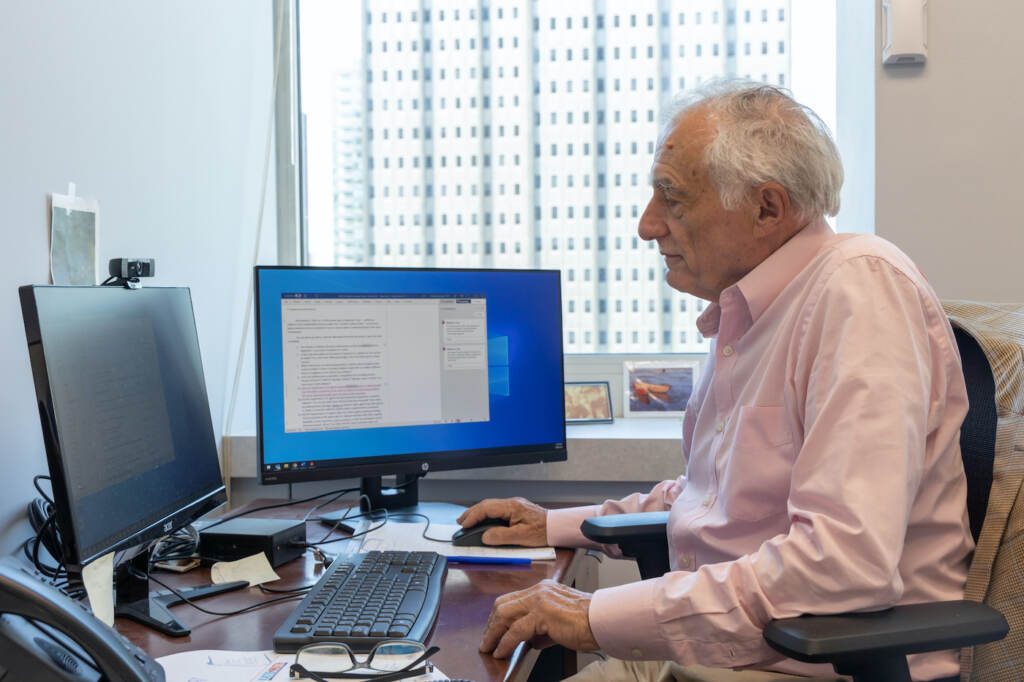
[[372, 361]]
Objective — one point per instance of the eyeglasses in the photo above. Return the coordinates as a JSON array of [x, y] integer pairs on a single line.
[[387, 661]]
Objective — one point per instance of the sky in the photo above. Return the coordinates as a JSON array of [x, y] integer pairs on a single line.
[[330, 39]]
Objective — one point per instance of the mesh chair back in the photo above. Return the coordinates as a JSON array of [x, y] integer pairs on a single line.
[[978, 433]]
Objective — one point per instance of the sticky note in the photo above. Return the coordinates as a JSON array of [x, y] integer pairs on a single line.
[[254, 569]]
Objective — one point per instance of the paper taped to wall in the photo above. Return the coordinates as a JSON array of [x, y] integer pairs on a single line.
[[74, 236]]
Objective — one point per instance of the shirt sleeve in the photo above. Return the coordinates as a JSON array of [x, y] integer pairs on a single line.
[[563, 525], [871, 371]]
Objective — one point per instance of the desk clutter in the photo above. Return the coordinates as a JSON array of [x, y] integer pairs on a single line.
[[243, 666], [134, 462]]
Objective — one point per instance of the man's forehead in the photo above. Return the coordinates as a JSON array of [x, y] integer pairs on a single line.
[[682, 148], [691, 133]]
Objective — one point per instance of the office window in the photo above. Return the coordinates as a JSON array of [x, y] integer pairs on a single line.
[[366, 179]]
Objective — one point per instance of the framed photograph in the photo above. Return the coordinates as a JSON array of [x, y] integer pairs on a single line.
[[657, 389], [588, 402]]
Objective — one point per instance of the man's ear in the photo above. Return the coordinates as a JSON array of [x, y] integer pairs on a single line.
[[774, 210]]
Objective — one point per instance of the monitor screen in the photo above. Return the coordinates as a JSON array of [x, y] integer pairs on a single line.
[[365, 371], [125, 416]]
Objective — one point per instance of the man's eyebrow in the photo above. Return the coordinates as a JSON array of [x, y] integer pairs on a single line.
[[666, 185]]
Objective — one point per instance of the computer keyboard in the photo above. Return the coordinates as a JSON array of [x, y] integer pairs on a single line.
[[362, 599]]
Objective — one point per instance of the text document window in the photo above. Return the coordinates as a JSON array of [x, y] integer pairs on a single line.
[[379, 360]]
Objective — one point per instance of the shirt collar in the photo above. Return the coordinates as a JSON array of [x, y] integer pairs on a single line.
[[762, 285]]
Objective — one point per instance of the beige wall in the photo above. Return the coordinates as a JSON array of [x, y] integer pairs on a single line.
[[949, 147]]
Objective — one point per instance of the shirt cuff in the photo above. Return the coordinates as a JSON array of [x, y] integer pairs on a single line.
[[622, 620], [563, 526]]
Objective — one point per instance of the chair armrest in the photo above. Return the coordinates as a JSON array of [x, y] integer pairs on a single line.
[[853, 641], [641, 536]]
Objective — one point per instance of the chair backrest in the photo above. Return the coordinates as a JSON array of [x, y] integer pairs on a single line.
[[998, 562], [978, 433]]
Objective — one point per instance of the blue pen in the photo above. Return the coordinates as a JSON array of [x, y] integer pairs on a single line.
[[507, 561]]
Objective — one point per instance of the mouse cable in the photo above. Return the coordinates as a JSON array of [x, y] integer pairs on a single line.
[[316, 508], [425, 528], [325, 541], [279, 505], [179, 595], [370, 515]]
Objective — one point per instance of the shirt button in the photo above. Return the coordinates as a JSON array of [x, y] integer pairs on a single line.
[[707, 501], [727, 351], [720, 426], [685, 562], [637, 653]]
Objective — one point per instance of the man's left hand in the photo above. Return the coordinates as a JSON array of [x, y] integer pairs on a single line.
[[545, 614]]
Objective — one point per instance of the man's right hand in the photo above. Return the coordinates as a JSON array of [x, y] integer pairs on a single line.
[[528, 522]]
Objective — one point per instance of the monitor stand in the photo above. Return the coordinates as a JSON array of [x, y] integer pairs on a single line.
[[401, 501], [152, 610]]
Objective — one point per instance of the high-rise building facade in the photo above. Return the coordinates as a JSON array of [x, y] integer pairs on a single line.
[[521, 134], [349, 199]]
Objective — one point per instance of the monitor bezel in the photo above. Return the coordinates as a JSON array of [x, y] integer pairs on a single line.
[[72, 550], [420, 462]]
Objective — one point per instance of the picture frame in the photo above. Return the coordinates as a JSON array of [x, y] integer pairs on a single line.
[[658, 388], [588, 402]]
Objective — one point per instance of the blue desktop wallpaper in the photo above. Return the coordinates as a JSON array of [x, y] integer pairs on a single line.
[[524, 332]]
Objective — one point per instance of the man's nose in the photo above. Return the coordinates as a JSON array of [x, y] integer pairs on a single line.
[[652, 222]]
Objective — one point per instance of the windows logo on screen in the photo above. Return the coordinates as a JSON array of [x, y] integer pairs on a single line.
[[497, 366]]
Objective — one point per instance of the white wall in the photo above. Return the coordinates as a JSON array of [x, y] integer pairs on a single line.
[[159, 110], [949, 150]]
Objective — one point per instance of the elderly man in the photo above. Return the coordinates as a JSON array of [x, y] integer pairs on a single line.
[[823, 469]]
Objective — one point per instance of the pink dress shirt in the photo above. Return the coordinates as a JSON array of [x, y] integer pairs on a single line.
[[823, 469]]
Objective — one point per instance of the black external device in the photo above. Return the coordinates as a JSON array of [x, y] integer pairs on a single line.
[[130, 268], [280, 539]]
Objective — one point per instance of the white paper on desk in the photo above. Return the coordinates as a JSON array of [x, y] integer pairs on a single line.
[[98, 578], [239, 666], [409, 537], [255, 569]]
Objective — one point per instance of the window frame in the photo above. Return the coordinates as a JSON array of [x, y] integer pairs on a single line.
[[854, 116]]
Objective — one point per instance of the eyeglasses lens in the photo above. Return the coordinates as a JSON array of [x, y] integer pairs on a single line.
[[326, 658], [391, 656]]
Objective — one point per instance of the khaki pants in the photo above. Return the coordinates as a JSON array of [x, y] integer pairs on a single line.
[[615, 670]]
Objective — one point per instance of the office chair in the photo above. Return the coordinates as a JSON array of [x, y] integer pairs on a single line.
[[870, 647]]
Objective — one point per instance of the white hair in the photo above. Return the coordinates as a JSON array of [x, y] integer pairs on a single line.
[[764, 135]]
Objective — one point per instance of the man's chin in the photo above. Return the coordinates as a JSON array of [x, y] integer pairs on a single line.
[[680, 282]]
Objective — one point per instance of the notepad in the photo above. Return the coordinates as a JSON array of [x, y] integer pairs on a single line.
[[409, 537]]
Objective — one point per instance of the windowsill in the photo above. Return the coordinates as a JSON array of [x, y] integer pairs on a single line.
[[635, 449], [633, 428]]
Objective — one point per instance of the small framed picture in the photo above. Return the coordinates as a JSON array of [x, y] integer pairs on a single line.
[[588, 402], [657, 389]]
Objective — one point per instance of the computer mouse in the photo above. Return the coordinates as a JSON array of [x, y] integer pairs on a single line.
[[474, 535]]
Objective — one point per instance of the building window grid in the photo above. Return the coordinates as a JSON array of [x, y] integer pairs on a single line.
[[557, 224]]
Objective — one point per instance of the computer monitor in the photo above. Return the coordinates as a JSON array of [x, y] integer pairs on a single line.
[[364, 372], [126, 425]]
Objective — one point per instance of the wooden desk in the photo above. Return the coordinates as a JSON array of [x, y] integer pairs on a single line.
[[469, 593]]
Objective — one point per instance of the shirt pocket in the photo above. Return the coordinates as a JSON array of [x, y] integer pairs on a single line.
[[757, 469]]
